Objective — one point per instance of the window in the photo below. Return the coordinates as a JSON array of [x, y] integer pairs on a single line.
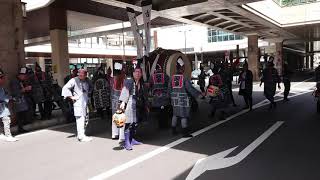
[[214, 39], [94, 40], [225, 38], [219, 36]]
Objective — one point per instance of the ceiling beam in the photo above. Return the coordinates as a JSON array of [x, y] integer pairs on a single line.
[[187, 21], [222, 23], [212, 20], [245, 13], [232, 25], [200, 16], [119, 4], [235, 29], [229, 19], [235, 16], [198, 8]]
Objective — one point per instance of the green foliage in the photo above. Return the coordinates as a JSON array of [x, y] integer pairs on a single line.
[[284, 3]]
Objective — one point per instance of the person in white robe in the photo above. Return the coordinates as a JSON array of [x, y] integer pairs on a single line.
[[77, 89]]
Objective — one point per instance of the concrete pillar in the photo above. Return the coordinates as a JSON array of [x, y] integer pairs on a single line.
[[11, 46], [312, 55], [312, 61], [237, 52], [253, 53], [59, 41], [109, 63], [306, 63], [279, 58], [42, 63], [19, 33], [60, 54]]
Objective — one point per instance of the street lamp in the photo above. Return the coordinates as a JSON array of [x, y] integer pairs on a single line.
[[185, 39]]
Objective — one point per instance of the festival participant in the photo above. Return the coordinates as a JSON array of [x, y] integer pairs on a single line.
[[181, 90], [77, 89]]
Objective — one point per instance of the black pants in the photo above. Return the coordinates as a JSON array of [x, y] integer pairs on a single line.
[[21, 118], [141, 114], [248, 99], [270, 97], [45, 109], [202, 89], [230, 90], [30, 113], [163, 115], [287, 85]]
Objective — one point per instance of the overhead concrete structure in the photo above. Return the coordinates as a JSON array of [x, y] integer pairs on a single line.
[[266, 19]]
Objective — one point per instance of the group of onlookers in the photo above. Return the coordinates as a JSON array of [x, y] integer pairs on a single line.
[[28, 93]]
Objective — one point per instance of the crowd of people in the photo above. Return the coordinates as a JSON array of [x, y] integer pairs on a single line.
[[169, 99], [28, 92]]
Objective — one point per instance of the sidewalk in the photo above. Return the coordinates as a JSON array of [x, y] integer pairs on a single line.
[[57, 119]]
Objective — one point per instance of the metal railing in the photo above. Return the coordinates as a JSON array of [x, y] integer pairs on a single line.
[[287, 3]]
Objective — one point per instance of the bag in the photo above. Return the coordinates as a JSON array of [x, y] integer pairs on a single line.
[[213, 91], [119, 118], [20, 104]]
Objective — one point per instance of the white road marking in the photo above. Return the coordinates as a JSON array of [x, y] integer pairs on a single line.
[[153, 153], [218, 161]]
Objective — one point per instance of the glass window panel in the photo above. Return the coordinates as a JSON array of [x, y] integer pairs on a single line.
[[88, 40], [209, 39], [94, 40], [231, 37], [95, 60], [220, 38], [214, 32], [83, 60], [214, 39], [225, 38]]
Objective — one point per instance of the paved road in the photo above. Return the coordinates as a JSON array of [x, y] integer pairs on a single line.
[[291, 152]]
